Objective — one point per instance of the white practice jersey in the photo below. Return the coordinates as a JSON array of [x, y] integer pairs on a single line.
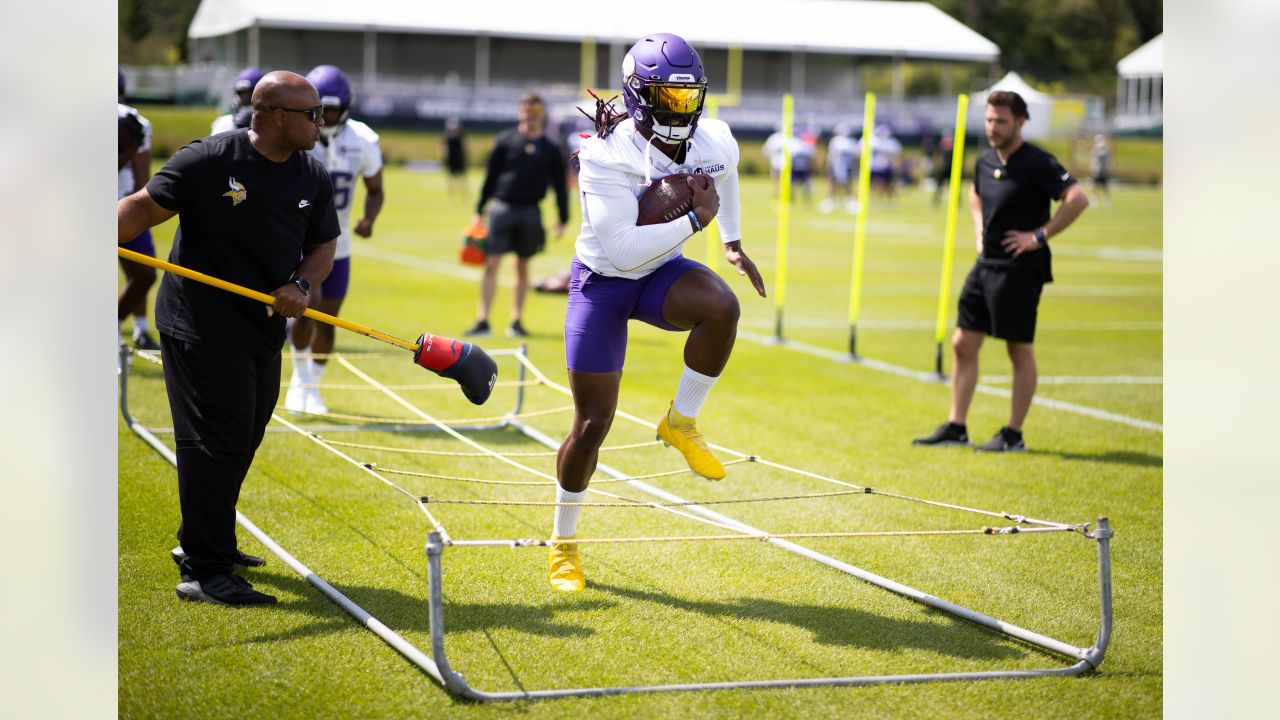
[[615, 172], [352, 153], [222, 124], [125, 185]]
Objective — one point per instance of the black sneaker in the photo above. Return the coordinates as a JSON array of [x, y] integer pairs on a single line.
[[480, 329], [246, 560], [948, 433], [517, 330], [229, 589], [144, 342], [1004, 441]]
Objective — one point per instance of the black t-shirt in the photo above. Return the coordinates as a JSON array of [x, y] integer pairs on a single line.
[[520, 170], [244, 219], [1016, 195]]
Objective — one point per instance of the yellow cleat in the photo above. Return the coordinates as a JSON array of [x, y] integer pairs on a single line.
[[564, 565], [681, 432]]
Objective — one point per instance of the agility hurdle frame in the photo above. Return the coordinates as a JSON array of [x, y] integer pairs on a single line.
[[437, 665]]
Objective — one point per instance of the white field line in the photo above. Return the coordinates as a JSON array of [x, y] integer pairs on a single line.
[[932, 378], [1083, 379], [907, 324], [926, 290], [447, 268]]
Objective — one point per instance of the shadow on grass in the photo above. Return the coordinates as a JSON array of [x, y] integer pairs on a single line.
[[1116, 457], [408, 613], [843, 626]]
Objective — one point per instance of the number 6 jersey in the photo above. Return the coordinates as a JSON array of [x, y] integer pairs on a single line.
[[352, 153]]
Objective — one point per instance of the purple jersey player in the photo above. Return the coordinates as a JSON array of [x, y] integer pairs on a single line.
[[622, 271]]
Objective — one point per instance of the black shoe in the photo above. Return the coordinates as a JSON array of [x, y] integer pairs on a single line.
[[948, 433], [1004, 441], [517, 330], [144, 342], [229, 589], [246, 560], [480, 329]]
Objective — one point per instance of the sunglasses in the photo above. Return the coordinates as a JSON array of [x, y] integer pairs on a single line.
[[313, 113]]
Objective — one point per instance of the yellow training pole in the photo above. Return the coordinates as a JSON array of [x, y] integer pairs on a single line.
[[953, 209], [714, 246], [860, 226], [260, 297], [784, 216]]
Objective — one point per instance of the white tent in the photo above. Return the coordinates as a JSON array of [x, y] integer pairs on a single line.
[[1039, 107], [1140, 88]]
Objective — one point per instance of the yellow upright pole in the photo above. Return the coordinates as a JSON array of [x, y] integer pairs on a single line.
[[953, 209], [860, 226], [587, 65], [714, 247], [784, 216]]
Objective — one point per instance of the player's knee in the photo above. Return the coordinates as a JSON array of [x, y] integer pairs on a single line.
[[591, 432], [964, 346], [723, 307]]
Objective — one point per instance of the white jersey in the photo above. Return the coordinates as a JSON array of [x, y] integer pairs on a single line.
[[617, 169], [352, 153], [222, 124], [125, 185]]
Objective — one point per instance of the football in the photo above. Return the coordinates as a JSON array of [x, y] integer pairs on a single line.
[[666, 199]]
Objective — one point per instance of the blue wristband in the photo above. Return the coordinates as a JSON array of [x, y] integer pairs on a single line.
[[693, 218]]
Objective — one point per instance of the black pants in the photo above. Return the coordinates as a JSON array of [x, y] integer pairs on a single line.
[[221, 401]]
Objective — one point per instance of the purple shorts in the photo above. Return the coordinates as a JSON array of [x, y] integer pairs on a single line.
[[334, 287], [142, 244], [595, 323]]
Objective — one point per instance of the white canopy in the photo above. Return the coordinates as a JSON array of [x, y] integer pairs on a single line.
[[1147, 60], [855, 27]]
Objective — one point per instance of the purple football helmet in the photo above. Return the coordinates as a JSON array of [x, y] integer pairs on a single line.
[[248, 79], [335, 92], [664, 87]]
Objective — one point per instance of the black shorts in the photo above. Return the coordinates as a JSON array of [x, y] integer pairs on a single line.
[[1001, 302], [515, 228]]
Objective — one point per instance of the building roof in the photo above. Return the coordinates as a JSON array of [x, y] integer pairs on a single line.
[[855, 27], [1146, 60]]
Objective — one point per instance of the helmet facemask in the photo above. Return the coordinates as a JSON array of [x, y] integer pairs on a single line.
[[344, 113], [671, 109]]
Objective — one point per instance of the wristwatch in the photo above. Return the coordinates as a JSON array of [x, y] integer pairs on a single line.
[[302, 284], [1039, 233]]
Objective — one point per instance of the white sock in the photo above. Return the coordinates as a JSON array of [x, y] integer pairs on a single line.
[[301, 366], [139, 325], [566, 523], [316, 369], [693, 391]]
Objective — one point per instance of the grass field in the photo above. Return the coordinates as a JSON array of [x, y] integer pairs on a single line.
[[692, 612]]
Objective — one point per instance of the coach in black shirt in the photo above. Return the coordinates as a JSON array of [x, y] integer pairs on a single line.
[[521, 166], [1014, 182], [254, 208]]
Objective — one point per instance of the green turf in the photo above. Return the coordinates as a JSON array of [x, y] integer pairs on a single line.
[[659, 613]]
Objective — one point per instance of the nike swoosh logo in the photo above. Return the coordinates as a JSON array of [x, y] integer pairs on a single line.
[[304, 203], [1066, 175]]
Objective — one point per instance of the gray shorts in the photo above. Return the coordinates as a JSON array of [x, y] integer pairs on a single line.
[[515, 228]]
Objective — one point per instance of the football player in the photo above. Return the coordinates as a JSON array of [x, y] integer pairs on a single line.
[[242, 112], [350, 150], [133, 176], [623, 271]]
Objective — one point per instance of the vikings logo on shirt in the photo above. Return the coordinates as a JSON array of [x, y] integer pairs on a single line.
[[237, 193]]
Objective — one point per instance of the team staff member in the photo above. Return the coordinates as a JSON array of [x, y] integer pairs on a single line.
[[250, 203], [523, 162], [1013, 184]]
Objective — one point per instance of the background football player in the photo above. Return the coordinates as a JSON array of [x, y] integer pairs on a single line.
[[624, 271], [242, 112], [349, 149], [133, 176]]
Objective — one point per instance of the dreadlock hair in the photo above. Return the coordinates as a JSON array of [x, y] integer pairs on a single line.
[[606, 117]]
